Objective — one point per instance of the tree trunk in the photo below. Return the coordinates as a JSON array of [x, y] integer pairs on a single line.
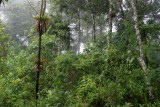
[[43, 6], [122, 15], [121, 9], [101, 26], [87, 34], [94, 28], [141, 55], [110, 22], [79, 31], [68, 42]]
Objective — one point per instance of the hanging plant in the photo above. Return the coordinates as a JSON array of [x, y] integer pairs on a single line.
[[42, 61], [43, 23]]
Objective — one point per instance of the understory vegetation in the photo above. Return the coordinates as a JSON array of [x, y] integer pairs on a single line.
[[97, 77]]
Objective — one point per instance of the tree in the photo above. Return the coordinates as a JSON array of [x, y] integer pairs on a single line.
[[87, 15], [141, 55], [60, 29], [110, 15]]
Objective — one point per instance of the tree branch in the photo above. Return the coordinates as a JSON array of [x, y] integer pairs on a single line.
[[32, 6]]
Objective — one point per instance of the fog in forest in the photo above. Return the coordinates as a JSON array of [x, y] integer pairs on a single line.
[[79, 53]]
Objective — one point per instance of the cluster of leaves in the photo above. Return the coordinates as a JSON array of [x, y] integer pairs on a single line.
[[17, 85], [43, 18]]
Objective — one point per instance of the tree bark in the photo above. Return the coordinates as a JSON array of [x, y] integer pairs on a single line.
[[43, 6], [94, 28], [110, 22], [141, 55], [121, 9], [79, 31]]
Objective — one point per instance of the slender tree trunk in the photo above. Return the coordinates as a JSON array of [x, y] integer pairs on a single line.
[[94, 28], [141, 55], [68, 43], [121, 9], [87, 30], [79, 31], [100, 25], [122, 15], [110, 22], [43, 6], [39, 55], [101, 30]]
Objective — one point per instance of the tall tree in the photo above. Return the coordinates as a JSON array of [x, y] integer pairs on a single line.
[[94, 28], [110, 15], [41, 26], [141, 55], [79, 30]]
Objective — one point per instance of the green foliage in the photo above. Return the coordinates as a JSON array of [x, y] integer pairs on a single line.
[[4, 40], [61, 31], [16, 85], [153, 55], [95, 78], [43, 18], [98, 77]]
